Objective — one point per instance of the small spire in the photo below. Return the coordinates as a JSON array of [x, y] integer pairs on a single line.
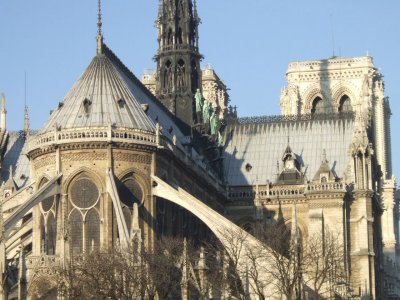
[[99, 30], [3, 112], [26, 120]]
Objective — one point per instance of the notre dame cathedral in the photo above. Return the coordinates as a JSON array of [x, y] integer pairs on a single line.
[[89, 177]]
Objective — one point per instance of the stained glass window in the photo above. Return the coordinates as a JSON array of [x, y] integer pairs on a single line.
[[84, 193], [76, 232], [92, 230], [130, 192], [51, 234], [47, 203]]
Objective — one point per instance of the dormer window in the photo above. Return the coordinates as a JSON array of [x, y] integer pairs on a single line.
[[86, 105], [248, 167], [121, 103]]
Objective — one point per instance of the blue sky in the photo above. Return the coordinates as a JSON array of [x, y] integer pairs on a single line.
[[249, 43]]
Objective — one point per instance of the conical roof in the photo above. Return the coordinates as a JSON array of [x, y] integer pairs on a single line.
[[100, 97]]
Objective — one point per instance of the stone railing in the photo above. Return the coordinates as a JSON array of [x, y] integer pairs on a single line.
[[362, 60], [265, 192], [283, 191], [93, 134], [326, 186], [179, 47]]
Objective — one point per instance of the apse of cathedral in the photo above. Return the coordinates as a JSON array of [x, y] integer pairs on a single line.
[[167, 155]]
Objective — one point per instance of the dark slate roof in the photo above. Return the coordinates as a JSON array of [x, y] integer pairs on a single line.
[[108, 100], [104, 83], [261, 142], [14, 157]]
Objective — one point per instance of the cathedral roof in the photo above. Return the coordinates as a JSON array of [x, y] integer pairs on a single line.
[[15, 160], [260, 144], [100, 97]]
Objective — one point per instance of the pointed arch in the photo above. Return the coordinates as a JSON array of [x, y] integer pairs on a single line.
[[90, 173], [343, 89], [75, 222], [309, 96], [318, 106], [345, 104], [92, 230]]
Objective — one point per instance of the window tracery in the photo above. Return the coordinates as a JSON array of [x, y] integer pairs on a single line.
[[84, 218], [48, 223]]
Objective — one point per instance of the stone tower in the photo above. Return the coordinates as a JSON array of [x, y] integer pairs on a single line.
[[178, 57]]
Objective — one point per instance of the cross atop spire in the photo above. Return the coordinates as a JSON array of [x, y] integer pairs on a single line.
[[99, 30]]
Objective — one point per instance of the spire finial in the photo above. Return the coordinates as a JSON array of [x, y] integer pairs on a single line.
[[99, 30]]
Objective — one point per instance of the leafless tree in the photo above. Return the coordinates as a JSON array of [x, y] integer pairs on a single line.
[[325, 267]]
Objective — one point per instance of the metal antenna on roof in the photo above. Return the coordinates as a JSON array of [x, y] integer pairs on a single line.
[[333, 36], [99, 30]]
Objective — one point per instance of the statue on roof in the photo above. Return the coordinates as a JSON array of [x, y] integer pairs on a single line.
[[206, 114], [214, 123], [199, 105]]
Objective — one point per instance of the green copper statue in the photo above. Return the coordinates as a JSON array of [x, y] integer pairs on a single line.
[[206, 113], [214, 123], [199, 105]]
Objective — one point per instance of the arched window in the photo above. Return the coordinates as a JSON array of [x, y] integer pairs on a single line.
[[48, 223], [318, 106], [194, 77], [84, 219], [345, 104], [167, 82], [170, 39], [180, 73], [51, 234], [92, 230], [179, 35], [130, 192], [76, 232]]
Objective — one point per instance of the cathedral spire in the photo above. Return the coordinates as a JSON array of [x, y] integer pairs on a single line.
[[99, 30], [178, 58]]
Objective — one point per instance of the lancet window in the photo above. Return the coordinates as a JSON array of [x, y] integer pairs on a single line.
[[84, 217], [345, 104], [48, 223], [318, 106], [130, 192]]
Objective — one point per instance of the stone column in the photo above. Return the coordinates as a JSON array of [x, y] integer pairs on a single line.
[[388, 219]]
